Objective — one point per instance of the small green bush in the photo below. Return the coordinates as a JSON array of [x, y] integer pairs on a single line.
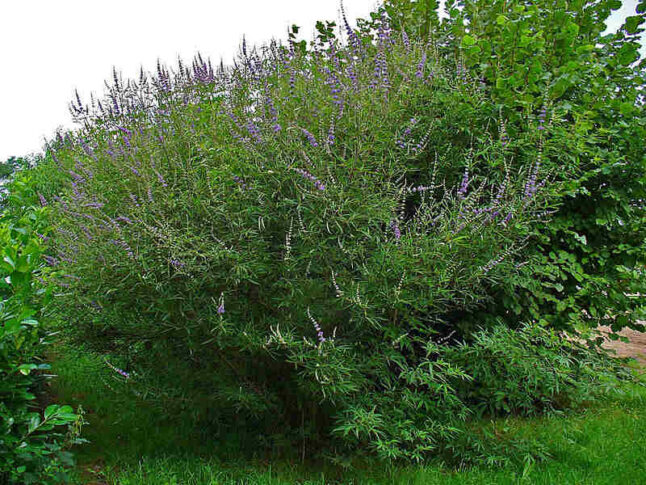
[[527, 371], [33, 443]]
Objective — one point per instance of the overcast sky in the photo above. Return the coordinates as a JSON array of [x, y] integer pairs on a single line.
[[50, 47]]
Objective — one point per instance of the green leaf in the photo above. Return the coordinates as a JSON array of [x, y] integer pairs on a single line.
[[468, 41], [632, 24], [627, 54], [9, 260], [34, 422], [25, 369]]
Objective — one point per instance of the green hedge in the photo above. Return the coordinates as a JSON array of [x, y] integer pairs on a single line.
[[34, 437]]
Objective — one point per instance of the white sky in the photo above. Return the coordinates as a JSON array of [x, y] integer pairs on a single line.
[[50, 47]]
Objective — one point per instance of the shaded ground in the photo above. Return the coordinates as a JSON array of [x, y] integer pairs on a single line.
[[635, 348]]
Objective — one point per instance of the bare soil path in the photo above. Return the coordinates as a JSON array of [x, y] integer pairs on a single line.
[[635, 348]]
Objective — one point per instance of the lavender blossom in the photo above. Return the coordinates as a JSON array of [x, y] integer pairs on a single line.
[[125, 219], [122, 244], [421, 188], [51, 261], [464, 185], [310, 137], [272, 110], [406, 40], [240, 182], [420, 67], [76, 176], [493, 263], [330, 134], [394, 225], [88, 151], [401, 142], [161, 179], [94, 205], [541, 118], [355, 42], [319, 332], [117, 370], [220, 309], [317, 183], [352, 75], [504, 139], [254, 131]]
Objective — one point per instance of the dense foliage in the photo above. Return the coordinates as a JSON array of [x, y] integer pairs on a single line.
[[33, 441], [586, 268], [321, 239]]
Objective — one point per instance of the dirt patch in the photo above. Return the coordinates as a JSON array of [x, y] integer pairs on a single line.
[[636, 347]]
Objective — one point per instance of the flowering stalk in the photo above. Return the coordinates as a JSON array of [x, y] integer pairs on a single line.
[[310, 138], [464, 185], [305, 174], [317, 327]]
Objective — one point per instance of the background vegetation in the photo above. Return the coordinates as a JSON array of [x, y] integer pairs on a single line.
[[34, 435]]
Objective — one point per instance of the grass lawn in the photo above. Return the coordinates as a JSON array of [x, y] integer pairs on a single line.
[[130, 444]]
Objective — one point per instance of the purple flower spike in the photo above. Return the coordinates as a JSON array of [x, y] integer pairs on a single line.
[[464, 185], [396, 230], [310, 138], [541, 118], [420, 67], [117, 370], [319, 332], [125, 219], [76, 176], [305, 174], [161, 179]]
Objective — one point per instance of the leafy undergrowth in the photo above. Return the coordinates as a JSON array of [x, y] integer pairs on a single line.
[[131, 444]]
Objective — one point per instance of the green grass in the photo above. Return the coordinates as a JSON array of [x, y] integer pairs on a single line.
[[130, 443]]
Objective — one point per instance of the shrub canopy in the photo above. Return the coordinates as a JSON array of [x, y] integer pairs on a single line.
[[319, 235]]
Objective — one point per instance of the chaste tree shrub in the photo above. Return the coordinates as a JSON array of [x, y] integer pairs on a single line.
[[283, 241], [539, 60], [34, 442]]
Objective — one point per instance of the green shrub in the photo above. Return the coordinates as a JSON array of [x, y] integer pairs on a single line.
[[298, 244], [33, 443]]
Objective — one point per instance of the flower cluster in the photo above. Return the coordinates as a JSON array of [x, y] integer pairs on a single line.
[[317, 327], [305, 174]]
